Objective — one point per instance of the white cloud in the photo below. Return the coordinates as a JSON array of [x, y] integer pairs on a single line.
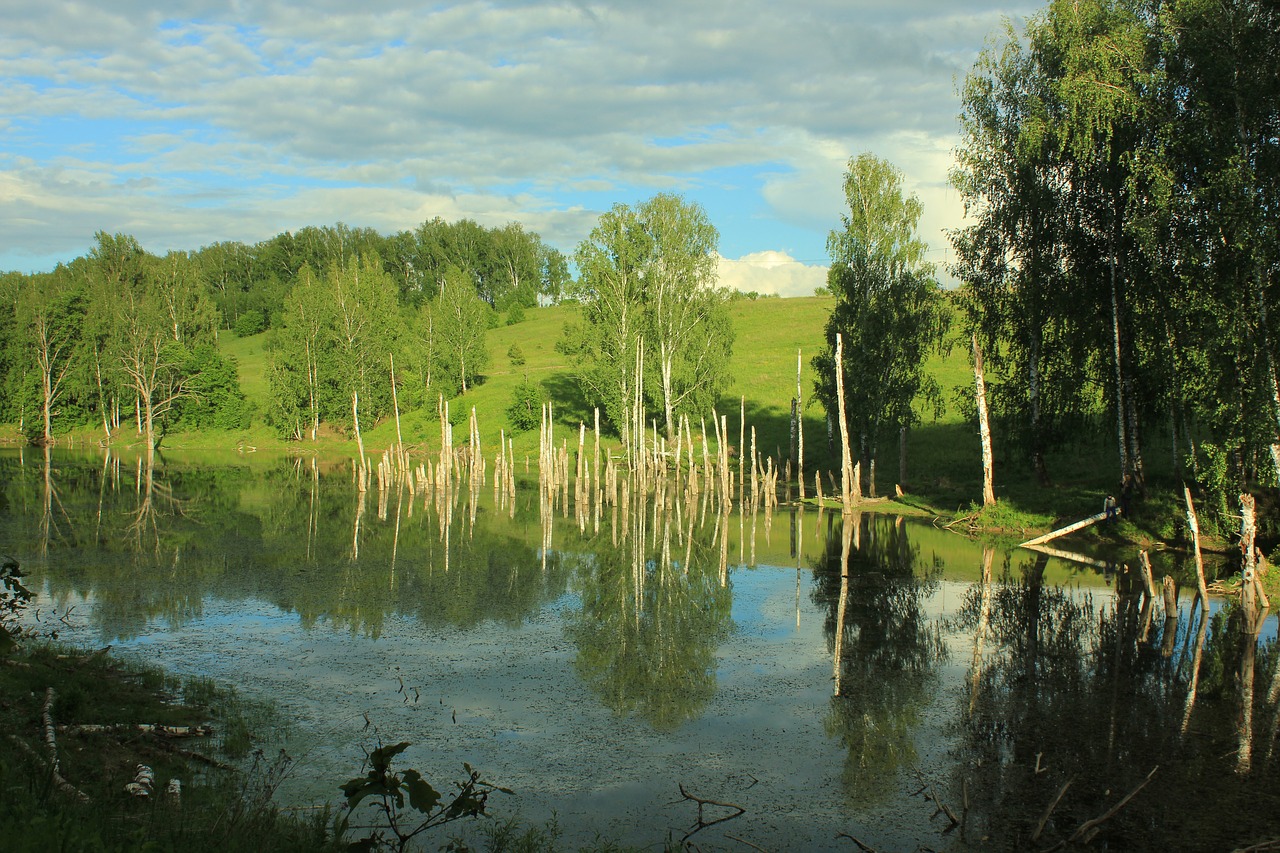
[[771, 272], [483, 108]]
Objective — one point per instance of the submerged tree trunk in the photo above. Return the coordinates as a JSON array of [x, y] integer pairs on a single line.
[[799, 425], [984, 425]]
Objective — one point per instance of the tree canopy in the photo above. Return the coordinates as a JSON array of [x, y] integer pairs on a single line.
[[1120, 162]]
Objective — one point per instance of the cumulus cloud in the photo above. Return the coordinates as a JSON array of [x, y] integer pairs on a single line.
[[483, 108], [771, 272]]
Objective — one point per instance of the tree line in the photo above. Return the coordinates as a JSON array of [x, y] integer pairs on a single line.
[[1120, 164], [120, 334]]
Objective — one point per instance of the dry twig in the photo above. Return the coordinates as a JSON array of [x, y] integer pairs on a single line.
[[702, 822]]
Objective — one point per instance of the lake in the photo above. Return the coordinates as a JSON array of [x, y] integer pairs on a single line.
[[833, 682]]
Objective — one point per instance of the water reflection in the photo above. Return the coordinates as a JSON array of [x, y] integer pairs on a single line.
[[1032, 695], [886, 650], [655, 608], [1075, 700]]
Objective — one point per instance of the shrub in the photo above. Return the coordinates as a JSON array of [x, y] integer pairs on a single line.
[[516, 355], [250, 322]]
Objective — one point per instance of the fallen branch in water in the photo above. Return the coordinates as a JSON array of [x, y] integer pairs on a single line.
[[746, 842], [942, 808], [865, 848], [702, 822], [1049, 811], [1086, 832]]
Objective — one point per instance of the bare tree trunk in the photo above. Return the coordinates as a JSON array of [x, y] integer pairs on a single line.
[[846, 461], [355, 420], [1194, 524], [984, 426], [395, 403], [1122, 440], [799, 424]]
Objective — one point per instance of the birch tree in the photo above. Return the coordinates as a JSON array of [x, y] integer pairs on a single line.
[[648, 287], [459, 321], [51, 313], [888, 308], [366, 325]]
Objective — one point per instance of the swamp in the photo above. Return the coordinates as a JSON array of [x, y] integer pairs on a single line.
[[670, 666]]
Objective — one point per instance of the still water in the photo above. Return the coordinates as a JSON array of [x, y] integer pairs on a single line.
[[831, 681]]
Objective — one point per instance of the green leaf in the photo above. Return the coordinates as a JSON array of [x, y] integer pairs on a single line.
[[422, 796], [381, 757]]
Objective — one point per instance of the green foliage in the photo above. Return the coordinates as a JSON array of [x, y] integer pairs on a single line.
[[461, 320], [1120, 167], [216, 400], [515, 355], [387, 792], [648, 284]]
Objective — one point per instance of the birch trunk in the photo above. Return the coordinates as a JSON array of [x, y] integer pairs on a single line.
[[984, 426], [355, 420], [846, 461], [1122, 439]]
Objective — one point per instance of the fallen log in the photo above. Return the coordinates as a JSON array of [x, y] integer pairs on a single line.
[[1070, 528]]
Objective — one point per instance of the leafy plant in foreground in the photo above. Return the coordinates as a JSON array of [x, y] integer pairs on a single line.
[[13, 599], [387, 790]]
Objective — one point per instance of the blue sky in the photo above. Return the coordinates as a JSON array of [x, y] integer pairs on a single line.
[[188, 122]]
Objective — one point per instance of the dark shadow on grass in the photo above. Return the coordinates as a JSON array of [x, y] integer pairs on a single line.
[[570, 406]]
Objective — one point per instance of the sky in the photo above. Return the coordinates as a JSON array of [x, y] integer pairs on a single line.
[[189, 122]]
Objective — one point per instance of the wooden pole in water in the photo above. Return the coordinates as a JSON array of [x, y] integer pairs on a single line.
[[724, 463], [742, 441], [597, 447]]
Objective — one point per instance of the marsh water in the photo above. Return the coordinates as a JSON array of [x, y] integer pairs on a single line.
[[833, 681]]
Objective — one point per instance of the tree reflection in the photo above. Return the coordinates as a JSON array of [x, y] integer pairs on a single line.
[[1082, 698], [166, 536], [651, 623], [886, 650]]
